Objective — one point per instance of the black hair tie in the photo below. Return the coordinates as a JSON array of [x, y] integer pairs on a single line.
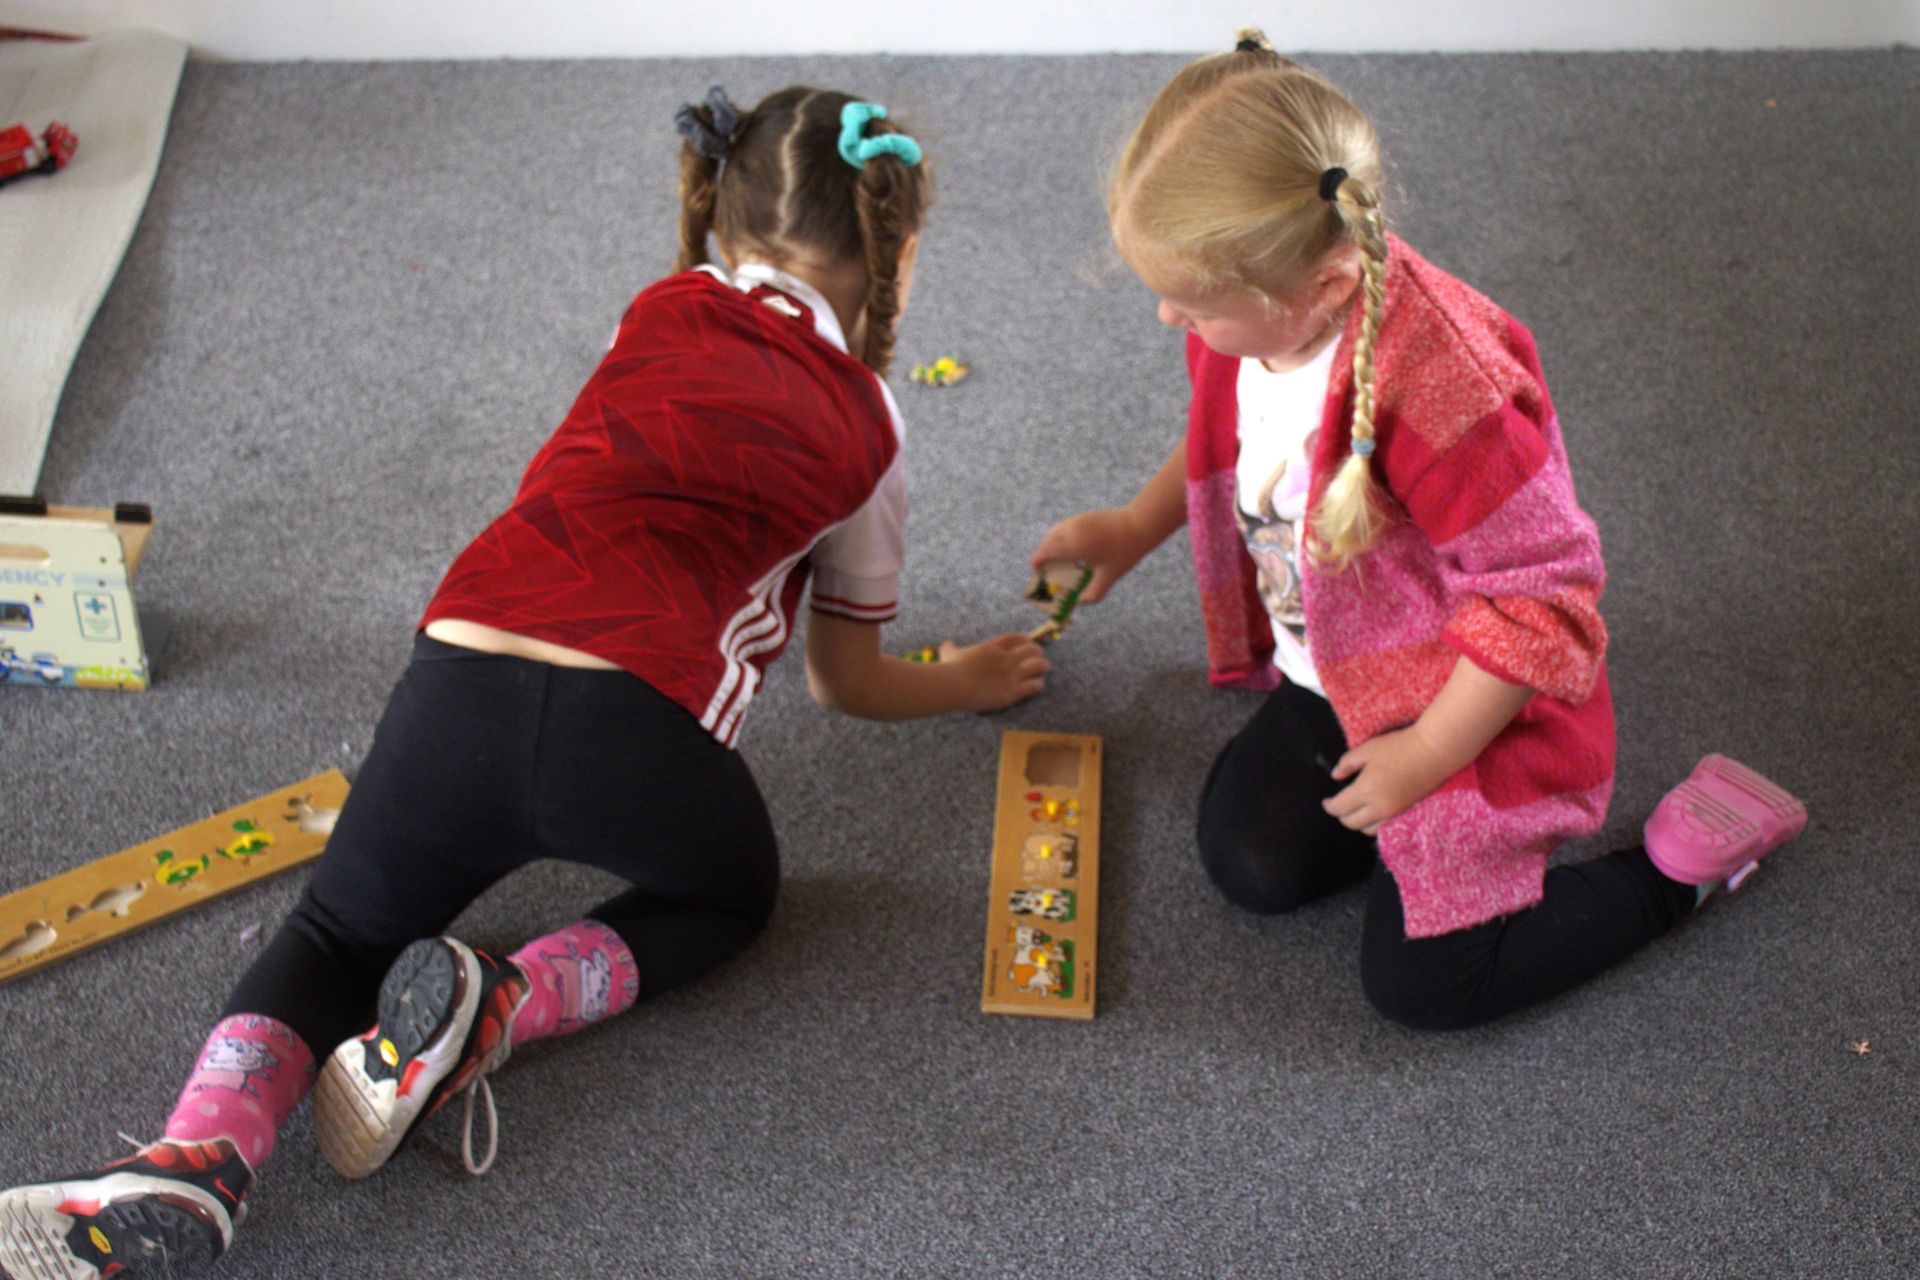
[[1330, 183], [1248, 46]]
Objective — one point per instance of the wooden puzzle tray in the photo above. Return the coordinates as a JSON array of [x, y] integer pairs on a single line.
[[1043, 905], [100, 900]]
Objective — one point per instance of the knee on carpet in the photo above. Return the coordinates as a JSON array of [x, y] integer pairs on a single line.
[[1408, 988], [1255, 875]]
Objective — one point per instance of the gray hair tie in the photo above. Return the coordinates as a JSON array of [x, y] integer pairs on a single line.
[[713, 141]]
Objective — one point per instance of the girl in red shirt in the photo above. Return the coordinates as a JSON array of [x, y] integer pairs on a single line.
[[576, 688]]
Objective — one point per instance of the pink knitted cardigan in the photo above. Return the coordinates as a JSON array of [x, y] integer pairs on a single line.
[[1490, 556]]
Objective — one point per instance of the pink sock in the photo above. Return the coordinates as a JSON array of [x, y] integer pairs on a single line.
[[249, 1077], [580, 975]]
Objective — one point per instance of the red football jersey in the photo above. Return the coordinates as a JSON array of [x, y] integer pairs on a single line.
[[726, 449]]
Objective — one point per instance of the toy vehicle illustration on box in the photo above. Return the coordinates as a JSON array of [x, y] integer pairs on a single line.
[[21, 153], [44, 665]]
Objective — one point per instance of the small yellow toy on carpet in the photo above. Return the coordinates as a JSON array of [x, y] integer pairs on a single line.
[[943, 372]]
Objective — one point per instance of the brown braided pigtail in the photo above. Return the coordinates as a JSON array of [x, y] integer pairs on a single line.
[[699, 186], [881, 200], [787, 195]]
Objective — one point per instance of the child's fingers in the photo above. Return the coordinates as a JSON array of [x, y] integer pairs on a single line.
[[1053, 546], [1347, 766], [1031, 666], [1032, 658], [1341, 802], [1356, 817], [1353, 807], [1027, 649], [1021, 685]]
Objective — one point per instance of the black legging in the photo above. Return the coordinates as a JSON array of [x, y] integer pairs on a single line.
[[1270, 847], [483, 764]]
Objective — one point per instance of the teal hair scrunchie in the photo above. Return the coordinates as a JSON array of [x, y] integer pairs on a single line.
[[856, 148]]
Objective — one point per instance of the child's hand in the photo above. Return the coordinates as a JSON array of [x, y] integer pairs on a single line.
[[998, 672], [1108, 542], [1395, 770]]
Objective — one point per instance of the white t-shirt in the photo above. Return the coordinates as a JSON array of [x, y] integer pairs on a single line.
[[1279, 416], [857, 563]]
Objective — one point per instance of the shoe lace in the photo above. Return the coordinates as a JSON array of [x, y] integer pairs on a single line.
[[479, 1086]]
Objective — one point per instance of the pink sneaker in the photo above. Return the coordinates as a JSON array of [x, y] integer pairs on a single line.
[[1719, 823]]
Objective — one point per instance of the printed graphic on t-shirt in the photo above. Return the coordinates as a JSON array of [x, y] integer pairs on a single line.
[[1272, 536]]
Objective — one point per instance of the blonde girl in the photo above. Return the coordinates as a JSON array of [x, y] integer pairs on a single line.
[[1439, 719]]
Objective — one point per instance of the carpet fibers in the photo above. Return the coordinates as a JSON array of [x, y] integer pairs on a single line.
[[360, 297]]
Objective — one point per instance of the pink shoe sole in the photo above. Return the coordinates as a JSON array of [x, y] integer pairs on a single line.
[[1719, 823]]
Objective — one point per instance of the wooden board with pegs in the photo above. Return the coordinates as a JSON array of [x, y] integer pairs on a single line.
[[1043, 902], [103, 899]]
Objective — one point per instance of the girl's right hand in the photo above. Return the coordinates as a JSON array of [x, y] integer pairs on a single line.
[[1108, 542], [999, 672]]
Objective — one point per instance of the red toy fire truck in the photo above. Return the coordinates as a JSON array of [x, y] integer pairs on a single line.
[[21, 153]]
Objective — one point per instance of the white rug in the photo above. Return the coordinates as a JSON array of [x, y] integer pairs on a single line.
[[62, 235]]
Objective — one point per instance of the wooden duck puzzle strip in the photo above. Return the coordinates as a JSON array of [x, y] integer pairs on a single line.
[[114, 895], [1043, 903]]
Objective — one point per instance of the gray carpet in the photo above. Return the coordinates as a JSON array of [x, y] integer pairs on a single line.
[[363, 294]]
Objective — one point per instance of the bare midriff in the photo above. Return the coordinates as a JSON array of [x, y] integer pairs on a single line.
[[472, 635]]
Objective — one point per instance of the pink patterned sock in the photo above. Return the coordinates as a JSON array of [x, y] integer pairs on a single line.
[[580, 975], [249, 1077]]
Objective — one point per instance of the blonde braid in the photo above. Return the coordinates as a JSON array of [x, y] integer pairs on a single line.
[[1250, 171], [1349, 516]]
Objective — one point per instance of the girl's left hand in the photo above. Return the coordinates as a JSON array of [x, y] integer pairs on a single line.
[[1395, 770]]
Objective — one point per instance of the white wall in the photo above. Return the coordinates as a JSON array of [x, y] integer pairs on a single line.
[[374, 29]]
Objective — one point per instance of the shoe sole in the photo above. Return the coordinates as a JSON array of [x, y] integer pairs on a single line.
[[428, 1002], [153, 1228], [1719, 823]]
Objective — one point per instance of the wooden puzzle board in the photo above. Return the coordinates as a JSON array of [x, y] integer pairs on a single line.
[[1043, 903], [114, 895]]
